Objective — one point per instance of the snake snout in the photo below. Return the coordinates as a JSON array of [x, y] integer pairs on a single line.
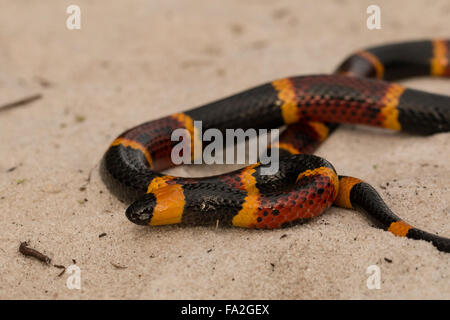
[[141, 211]]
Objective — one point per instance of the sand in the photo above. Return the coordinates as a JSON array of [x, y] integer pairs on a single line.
[[140, 60]]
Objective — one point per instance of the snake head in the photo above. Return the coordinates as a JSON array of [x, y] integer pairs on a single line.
[[141, 211]]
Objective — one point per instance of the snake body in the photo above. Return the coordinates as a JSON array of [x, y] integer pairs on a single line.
[[305, 185]]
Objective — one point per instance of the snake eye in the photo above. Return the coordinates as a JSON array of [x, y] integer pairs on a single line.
[[141, 211]]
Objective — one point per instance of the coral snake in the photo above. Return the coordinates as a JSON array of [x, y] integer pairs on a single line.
[[305, 185]]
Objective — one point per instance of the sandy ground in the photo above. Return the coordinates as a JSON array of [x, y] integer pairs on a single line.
[[139, 60]]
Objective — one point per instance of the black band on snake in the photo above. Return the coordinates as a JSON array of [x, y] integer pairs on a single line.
[[305, 185]]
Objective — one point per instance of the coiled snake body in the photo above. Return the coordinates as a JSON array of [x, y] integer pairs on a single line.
[[305, 185]]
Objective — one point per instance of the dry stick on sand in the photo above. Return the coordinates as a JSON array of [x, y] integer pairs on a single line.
[[60, 267], [30, 252], [20, 102], [117, 266], [88, 179]]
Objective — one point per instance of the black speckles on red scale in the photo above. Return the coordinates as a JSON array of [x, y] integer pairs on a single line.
[[233, 180], [300, 201], [340, 99]]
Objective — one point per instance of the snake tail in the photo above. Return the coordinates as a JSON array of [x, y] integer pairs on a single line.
[[361, 196]]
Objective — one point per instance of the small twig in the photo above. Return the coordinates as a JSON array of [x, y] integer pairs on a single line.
[[117, 266], [88, 179], [60, 267], [30, 252], [20, 102]]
